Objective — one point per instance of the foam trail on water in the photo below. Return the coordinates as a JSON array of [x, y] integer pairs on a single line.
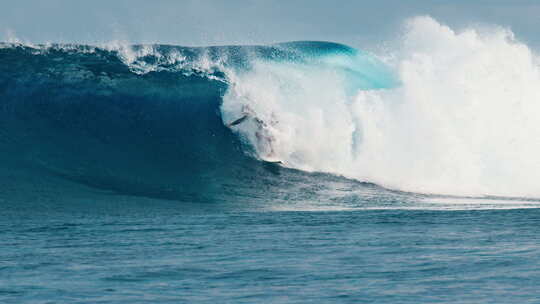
[[463, 121]]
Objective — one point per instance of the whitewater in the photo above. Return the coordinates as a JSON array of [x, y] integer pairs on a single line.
[[461, 121]]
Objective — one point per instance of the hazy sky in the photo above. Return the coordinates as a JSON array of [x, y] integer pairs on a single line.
[[204, 22]]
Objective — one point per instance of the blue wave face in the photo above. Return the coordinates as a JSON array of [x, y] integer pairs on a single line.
[[144, 120]]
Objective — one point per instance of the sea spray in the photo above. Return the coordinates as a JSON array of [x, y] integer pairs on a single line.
[[461, 121]]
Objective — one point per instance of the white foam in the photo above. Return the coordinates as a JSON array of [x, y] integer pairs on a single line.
[[464, 121]]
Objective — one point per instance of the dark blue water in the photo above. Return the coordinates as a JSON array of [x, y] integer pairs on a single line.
[[166, 252], [120, 183]]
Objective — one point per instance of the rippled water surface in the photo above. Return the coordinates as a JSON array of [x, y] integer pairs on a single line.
[[167, 252]]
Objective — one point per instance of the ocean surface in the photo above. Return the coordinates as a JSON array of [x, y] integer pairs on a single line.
[[144, 251], [298, 172]]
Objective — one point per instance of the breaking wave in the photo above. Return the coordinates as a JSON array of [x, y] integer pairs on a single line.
[[443, 112]]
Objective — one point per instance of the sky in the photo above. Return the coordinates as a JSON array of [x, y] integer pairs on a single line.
[[217, 22]]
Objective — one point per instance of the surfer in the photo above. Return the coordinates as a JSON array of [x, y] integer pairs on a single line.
[[265, 140], [238, 121], [246, 113]]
